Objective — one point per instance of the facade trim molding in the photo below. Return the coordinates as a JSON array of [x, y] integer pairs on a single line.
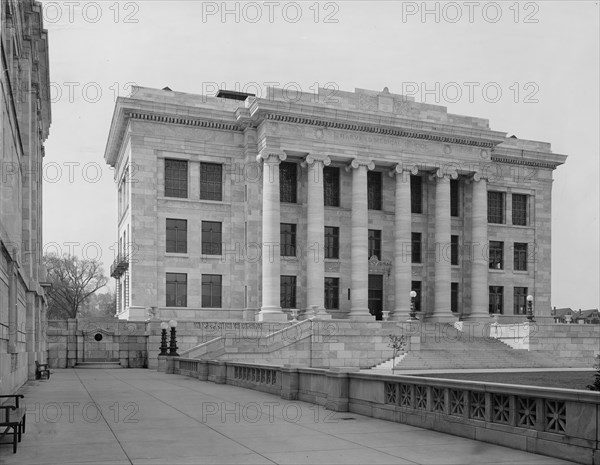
[[380, 130], [184, 121], [514, 161]]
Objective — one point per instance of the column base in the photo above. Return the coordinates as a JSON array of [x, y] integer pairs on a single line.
[[451, 319], [278, 317], [399, 316], [316, 312], [361, 315], [483, 317]]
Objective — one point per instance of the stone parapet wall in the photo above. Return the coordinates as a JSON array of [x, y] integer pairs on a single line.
[[559, 423], [566, 340]]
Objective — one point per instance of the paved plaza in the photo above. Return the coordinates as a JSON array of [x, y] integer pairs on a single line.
[[145, 417]]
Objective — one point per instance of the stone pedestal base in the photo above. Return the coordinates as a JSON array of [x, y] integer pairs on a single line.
[[361, 316], [162, 364], [450, 319], [277, 317]]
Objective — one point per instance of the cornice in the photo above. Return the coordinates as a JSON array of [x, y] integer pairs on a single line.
[[525, 162], [185, 121], [383, 130]]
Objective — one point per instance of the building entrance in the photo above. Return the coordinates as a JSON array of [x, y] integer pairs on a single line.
[[376, 295]]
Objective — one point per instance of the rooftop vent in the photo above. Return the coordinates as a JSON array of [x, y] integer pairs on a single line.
[[167, 88], [233, 95]]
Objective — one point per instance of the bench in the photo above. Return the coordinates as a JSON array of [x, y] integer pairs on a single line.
[[41, 370], [12, 418]]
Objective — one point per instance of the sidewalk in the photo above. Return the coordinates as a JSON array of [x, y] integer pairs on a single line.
[[145, 417]]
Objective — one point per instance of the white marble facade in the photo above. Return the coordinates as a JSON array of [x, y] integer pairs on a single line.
[[359, 133]]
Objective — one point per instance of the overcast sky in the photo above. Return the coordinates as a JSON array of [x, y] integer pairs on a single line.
[[533, 69]]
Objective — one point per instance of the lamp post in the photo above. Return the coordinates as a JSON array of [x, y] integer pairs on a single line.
[[530, 308], [173, 342], [413, 312], [163, 338]]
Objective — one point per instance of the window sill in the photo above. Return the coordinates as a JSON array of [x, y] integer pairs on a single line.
[[187, 199], [492, 270], [520, 271], [178, 255]]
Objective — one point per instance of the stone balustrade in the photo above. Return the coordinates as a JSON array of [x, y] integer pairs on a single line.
[[560, 423]]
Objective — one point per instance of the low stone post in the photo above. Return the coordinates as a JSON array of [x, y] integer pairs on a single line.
[[162, 363], [338, 388], [220, 372], [289, 382], [203, 370]]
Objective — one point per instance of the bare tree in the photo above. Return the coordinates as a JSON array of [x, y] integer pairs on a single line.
[[73, 280]]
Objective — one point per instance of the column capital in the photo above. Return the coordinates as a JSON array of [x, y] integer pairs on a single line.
[[476, 177], [271, 156], [314, 158], [442, 174], [402, 168], [358, 162]]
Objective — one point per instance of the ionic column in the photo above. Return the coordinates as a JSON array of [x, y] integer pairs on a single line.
[[315, 252], [402, 239], [479, 262], [442, 269], [271, 309], [359, 294]]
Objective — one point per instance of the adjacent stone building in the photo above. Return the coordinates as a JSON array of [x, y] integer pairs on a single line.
[[24, 125], [238, 207]]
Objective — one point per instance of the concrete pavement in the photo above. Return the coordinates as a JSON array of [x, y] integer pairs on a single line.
[[137, 416]]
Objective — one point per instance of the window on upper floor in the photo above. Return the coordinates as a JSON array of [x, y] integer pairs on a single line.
[[374, 190], [519, 209], [496, 299], [416, 194], [332, 242], [176, 178], [287, 292], [454, 197], [176, 236], [496, 255], [331, 186], [520, 256], [375, 243], [496, 207], [287, 233], [212, 238], [288, 182], [211, 181], [176, 290]]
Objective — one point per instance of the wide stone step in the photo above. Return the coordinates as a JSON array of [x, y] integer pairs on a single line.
[[98, 365]]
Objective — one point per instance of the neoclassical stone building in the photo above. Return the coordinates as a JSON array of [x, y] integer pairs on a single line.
[[235, 207], [24, 126]]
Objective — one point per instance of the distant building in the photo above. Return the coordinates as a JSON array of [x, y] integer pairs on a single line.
[[234, 205], [25, 123]]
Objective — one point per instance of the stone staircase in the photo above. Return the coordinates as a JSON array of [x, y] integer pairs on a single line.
[[458, 350]]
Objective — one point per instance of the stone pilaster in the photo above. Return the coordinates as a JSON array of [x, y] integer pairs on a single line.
[[479, 262], [402, 239], [442, 268], [271, 250], [315, 250], [359, 294]]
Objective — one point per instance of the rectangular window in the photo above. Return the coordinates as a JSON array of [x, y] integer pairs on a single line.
[[176, 178], [520, 300], [454, 297], [497, 299], [453, 250], [288, 292], [288, 182], [375, 243], [454, 197], [176, 290], [331, 186], [496, 207], [211, 181], [415, 248], [332, 293], [519, 209], [520, 256], [176, 236], [416, 194], [496, 255], [374, 186], [416, 286], [211, 291], [287, 233], [332, 242], [211, 238]]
